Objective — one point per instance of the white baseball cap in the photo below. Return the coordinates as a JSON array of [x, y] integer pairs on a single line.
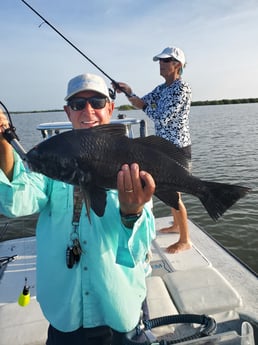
[[173, 52], [86, 82]]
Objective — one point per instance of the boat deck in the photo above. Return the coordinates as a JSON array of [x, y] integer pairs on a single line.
[[203, 280], [207, 253]]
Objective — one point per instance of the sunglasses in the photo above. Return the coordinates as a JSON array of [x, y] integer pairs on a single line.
[[79, 103], [166, 60]]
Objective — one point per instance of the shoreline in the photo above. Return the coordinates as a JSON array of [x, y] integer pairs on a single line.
[[130, 107]]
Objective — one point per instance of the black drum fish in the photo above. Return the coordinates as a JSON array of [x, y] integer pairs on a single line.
[[91, 158]]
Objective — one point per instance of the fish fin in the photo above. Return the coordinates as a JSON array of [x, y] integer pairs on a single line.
[[169, 197], [218, 197], [114, 129], [87, 201], [98, 200], [166, 147]]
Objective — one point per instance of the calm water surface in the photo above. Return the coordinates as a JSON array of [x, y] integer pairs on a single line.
[[224, 149]]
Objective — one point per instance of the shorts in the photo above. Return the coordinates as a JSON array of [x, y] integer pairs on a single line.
[[102, 335]]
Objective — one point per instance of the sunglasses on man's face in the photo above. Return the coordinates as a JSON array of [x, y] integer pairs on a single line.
[[166, 60], [79, 103]]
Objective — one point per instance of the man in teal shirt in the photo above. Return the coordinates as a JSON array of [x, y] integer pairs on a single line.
[[90, 276]]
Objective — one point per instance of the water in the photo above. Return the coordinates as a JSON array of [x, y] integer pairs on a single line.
[[224, 150]]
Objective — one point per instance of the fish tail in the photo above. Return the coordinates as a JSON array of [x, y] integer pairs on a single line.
[[218, 197]]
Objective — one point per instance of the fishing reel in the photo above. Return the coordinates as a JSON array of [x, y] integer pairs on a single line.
[[112, 94], [9, 132], [10, 135]]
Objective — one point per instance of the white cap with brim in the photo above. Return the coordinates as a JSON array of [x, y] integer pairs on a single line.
[[87, 82], [173, 52]]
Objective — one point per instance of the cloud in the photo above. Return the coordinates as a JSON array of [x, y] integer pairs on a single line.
[[121, 37]]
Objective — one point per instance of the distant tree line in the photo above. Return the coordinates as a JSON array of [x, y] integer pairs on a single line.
[[198, 103], [226, 101], [125, 107]]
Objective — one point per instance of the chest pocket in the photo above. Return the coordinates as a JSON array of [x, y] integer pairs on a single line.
[[60, 198]]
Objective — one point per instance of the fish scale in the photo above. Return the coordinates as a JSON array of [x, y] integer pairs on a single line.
[[92, 158]]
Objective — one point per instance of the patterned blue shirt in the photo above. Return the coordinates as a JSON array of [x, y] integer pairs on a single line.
[[169, 108], [107, 286]]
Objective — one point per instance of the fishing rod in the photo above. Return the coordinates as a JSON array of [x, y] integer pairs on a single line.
[[10, 135], [117, 86], [9, 119]]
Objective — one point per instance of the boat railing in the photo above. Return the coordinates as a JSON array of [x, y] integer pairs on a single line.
[[48, 129]]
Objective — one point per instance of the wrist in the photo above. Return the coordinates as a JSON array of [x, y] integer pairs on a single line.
[[131, 95], [128, 220], [144, 106]]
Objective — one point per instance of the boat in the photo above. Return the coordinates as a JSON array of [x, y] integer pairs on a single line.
[[204, 295]]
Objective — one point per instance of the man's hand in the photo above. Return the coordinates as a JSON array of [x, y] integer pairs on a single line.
[[135, 188], [136, 101], [3, 124], [6, 154]]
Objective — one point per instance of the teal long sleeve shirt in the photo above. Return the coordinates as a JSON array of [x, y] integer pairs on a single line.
[[107, 286]]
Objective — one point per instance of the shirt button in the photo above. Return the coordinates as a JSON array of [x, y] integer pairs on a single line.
[[85, 268], [84, 242], [87, 293]]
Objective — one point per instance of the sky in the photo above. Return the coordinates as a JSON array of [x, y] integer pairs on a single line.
[[218, 37]]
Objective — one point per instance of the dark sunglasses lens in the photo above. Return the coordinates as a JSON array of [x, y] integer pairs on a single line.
[[77, 104], [80, 103], [97, 103]]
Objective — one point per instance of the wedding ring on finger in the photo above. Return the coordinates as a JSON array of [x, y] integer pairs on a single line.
[[128, 190]]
